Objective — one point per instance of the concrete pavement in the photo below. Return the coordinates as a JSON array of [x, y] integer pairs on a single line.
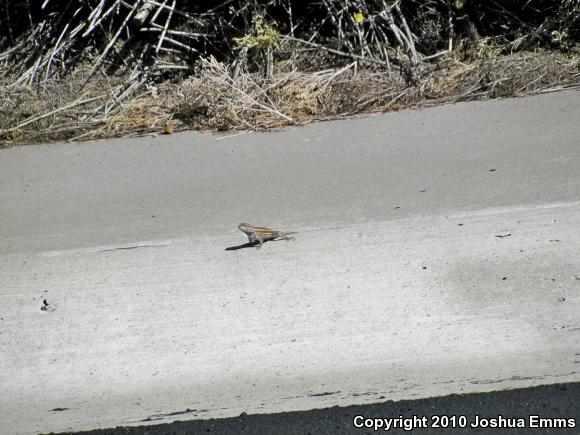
[[437, 253]]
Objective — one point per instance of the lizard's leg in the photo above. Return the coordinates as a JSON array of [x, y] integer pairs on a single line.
[[260, 242]]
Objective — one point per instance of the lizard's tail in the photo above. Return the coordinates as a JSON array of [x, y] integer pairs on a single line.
[[285, 234]]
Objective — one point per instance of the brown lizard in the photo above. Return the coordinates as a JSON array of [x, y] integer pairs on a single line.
[[259, 234]]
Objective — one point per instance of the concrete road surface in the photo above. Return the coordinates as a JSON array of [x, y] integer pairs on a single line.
[[438, 252]]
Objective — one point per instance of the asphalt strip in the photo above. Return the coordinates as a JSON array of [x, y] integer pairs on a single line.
[[550, 409]]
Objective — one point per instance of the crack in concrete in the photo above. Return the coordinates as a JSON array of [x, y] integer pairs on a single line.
[[123, 248]]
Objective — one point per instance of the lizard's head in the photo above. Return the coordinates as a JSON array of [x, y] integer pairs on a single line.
[[246, 228]]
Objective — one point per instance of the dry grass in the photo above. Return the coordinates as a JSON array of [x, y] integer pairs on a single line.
[[212, 100]]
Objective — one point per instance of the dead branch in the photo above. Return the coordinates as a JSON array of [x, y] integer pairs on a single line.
[[53, 112]]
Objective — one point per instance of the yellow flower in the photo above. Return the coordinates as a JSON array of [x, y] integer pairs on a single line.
[[359, 17], [458, 4]]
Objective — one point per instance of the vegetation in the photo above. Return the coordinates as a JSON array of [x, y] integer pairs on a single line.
[[98, 68]]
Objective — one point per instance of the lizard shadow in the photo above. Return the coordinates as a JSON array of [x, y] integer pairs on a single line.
[[246, 245]]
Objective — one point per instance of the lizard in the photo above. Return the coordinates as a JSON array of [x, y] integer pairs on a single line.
[[259, 234]]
